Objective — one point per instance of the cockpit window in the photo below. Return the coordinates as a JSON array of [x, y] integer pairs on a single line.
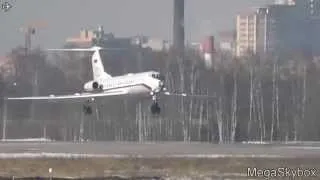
[[158, 76]]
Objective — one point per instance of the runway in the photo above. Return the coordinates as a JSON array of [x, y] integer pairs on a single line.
[[166, 149]]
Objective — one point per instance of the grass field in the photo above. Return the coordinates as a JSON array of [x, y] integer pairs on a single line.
[[159, 167]]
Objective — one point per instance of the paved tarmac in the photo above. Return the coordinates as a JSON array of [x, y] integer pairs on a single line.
[[174, 149]]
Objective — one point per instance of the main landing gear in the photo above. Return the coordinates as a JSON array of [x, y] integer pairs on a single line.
[[155, 108], [87, 109]]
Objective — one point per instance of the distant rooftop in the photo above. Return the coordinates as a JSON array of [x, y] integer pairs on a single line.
[[3, 60], [285, 2], [226, 34]]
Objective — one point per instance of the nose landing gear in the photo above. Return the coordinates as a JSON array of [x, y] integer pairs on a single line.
[[155, 108]]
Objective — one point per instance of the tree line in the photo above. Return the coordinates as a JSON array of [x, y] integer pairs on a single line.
[[257, 98]]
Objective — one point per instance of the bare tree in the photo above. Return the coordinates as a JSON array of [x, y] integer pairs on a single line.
[[219, 108], [252, 105], [234, 104], [274, 100]]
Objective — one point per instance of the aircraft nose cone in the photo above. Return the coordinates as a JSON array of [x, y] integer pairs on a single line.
[[161, 83], [162, 86]]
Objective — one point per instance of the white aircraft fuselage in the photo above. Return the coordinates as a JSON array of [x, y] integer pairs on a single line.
[[144, 84]]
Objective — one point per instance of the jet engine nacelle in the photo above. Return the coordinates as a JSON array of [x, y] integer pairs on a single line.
[[92, 86]]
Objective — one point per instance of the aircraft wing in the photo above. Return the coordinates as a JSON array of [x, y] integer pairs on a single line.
[[189, 95], [76, 96]]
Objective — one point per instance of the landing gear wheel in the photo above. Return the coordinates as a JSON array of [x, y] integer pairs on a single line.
[[155, 108], [87, 109]]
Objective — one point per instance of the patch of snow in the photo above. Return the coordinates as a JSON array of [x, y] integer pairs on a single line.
[[302, 147], [28, 140], [255, 142], [281, 142], [302, 142]]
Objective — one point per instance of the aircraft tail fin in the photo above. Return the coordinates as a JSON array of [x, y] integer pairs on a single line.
[[96, 61], [97, 66]]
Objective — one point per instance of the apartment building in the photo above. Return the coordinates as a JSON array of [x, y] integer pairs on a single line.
[[278, 29], [246, 33]]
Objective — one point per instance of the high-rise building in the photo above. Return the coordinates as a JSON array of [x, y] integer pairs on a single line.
[[277, 29], [309, 11], [246, 38], [298, 27], [264, 38], [308, 7], [280, 29]]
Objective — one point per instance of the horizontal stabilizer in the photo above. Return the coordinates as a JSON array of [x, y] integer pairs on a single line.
[[92, 49]]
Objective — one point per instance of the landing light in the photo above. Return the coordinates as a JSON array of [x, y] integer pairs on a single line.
[[51, 95]]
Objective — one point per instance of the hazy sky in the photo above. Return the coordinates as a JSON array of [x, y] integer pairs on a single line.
[[65, 18]]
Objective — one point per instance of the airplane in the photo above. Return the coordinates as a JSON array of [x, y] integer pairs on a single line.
[[143, 84]]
